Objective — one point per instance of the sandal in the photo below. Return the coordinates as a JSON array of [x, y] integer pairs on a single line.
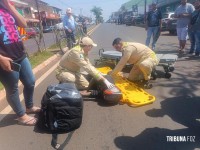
[[33, 110], [181, 51], [31, 121], [90, 93], [94, 94], [85, 93]]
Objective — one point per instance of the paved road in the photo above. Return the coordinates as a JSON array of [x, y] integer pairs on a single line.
[[49, 40], [174, 113], [31, 45]]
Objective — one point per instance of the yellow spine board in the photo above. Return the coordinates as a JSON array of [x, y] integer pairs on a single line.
[[133, 95]]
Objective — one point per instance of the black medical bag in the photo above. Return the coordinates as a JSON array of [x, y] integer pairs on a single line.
[[61, 110]]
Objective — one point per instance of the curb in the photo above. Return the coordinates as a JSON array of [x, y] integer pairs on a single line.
[[44, 64], [35, 70]]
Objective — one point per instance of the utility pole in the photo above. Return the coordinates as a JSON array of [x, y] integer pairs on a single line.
[[41, 35], [39, 16], [81, 11], [145, 9]]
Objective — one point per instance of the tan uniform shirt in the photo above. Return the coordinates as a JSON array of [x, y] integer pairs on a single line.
[[134, 53], [75, 59]]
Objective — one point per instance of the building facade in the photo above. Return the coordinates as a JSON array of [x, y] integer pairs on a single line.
[[50, 15], [169, 5]]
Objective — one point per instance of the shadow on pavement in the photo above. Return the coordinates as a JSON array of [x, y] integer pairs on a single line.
[[185, 82], [166, 51], [8, 120], [183, 110], [103, 103], [167, 34], [156, 139], [193, 57], [186, 56], [99, 101]]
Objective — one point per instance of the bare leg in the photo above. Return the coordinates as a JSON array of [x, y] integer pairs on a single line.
[[183, 44], [180, 45], [85, 93]]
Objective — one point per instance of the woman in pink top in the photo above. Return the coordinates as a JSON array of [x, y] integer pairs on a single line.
[[14, 65]]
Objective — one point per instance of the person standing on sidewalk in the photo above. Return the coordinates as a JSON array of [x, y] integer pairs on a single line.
[[191, 34], [12, 51], [183, 15], [84, 25], [194, 29], [153, 25], [69, 24]]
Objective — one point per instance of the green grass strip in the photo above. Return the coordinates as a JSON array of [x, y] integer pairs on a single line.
[[39, 57], [36, 59]]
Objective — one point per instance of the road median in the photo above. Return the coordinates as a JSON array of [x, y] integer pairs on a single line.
[[35, 71], [43, 64]]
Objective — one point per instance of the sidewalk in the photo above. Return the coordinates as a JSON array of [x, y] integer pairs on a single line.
[[42, 66], [35, 71]]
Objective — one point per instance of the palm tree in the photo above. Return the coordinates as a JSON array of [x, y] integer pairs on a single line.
[[97, 11], [123, 8]]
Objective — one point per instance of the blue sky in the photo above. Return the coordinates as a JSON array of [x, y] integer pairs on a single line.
[[85, 6]]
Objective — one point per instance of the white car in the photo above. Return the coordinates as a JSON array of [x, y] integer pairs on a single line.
[[166, 17], [59, 26]]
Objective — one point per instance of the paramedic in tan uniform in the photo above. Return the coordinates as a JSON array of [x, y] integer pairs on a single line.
[[143, 58], [75, 59]]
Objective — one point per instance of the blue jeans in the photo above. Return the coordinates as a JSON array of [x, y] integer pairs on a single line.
[[192, 40], [152, 31], [10, 82], [70, 38], [197, 40]]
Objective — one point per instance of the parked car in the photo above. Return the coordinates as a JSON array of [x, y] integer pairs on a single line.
[[166, 18], [133, 20], [59, 26], [47, 29], [37, 30], [129, 20], [171, 26], [139, 19], [30, 32]]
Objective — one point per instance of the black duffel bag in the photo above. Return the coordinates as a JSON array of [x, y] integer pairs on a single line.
[[61, 110]]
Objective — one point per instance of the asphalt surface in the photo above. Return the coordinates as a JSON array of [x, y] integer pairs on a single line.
[[31, 44], [49, 40], [174, 112]]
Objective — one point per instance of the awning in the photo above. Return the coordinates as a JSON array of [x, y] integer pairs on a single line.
[[19, 2], [32, 20], [51, 18], [166, 2]]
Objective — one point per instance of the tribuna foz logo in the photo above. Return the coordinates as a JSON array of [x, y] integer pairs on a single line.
[[180, 138]]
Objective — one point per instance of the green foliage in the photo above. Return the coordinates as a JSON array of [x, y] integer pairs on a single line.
[[97, 11], [54, 46], [36, 59], [40, 57], [129, 4]]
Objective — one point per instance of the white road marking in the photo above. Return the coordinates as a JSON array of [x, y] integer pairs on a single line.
[[90, 32], [8, 109]]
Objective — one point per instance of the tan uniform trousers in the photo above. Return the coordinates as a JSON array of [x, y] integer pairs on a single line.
[[77, 78], [142, 70]]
